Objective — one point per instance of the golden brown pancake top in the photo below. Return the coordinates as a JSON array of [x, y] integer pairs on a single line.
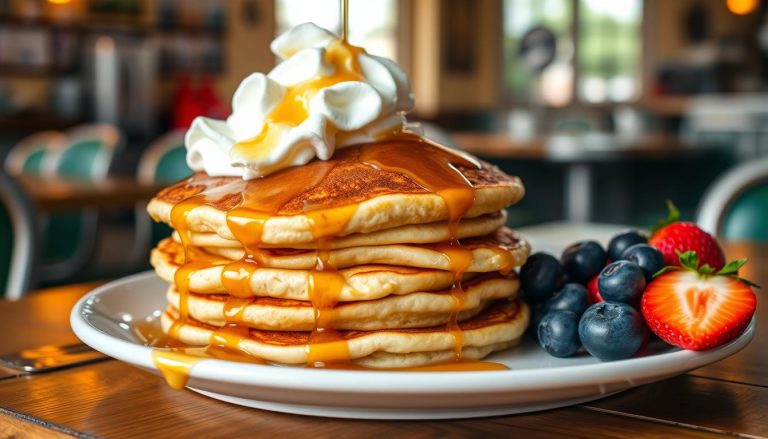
[[342, 180]]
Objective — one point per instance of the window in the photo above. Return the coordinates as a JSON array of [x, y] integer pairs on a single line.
[[609, 50], [608, 43], [372, 23], [556, 81]]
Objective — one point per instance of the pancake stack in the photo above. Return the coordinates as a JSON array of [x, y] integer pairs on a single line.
[[388, 255]]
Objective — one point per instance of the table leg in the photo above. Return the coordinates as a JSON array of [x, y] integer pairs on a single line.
[[578, 192]]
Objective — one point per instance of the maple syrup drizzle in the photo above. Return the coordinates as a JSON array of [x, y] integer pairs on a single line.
[[228, 337], [460, 259], [234, 310], [182, 276], [175, 360], [175, 367], [344, 20], [325, 284], [441, 177], [452, 366], [507, 261], [236, 277]]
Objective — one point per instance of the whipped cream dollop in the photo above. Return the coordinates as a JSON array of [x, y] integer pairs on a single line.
[[324, 95]]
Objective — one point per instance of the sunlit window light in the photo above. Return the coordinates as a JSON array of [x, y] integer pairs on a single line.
[[372, 23]]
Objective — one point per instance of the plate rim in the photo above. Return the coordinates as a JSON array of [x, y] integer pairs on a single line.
[[392, 382]]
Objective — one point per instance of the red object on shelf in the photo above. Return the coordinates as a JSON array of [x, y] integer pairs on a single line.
[[212, 105], [186, 104], [189, 103]]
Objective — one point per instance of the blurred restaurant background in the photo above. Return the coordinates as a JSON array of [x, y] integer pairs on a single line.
[[605, 108]]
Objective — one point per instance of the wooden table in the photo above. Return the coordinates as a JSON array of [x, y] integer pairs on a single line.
[[113, 399], [57, 195]]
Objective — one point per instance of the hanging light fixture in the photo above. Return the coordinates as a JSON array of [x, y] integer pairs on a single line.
[[742, 7]]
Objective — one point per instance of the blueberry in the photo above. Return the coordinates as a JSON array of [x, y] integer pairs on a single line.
[[541, 276], [572, 297], [559, 333], [648, 258], [583, 260], [611, 330], [621, 281], [623, 241]]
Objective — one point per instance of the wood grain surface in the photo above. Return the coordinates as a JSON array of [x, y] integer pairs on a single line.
[[112, 399]]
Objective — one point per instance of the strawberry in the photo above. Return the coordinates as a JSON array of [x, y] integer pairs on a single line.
[[593, 293], [672, 235], [698, 308]]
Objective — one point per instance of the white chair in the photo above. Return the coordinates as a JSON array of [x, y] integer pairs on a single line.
[[29, 155], [163, 162], [18, 222], [739, 195]]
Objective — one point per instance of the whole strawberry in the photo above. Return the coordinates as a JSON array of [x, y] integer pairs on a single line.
[[698, 308], [672, 236]]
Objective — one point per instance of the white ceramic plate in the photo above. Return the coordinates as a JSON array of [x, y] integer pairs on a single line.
[[534, 381]]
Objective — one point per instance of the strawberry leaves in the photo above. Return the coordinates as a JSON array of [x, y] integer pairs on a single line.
[[672, 217], [732, 267], [690, 261]]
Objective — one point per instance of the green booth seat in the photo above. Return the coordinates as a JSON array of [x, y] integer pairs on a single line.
[[735, 208], [18, 239]]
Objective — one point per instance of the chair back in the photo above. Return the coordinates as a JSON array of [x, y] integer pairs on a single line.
[[87, 155], [18, 240], [27, 156], [735, 207], [165, 161]]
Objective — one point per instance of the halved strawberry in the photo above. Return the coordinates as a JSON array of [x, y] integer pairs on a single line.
[[698, 310], [672, 235], [593, 293]]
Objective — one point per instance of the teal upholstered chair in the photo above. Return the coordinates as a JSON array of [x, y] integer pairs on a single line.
[[71, 237], [18, 240], [735, 208], [27, 156], [164, 162], [87, 154]]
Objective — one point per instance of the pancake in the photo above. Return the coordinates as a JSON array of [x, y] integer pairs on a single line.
[[501, 251], [410, 234], [415, 310], [363, 282], [344, 195], [498, 327]]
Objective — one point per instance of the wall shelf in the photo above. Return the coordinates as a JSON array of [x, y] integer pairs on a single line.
[[110, 26]]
